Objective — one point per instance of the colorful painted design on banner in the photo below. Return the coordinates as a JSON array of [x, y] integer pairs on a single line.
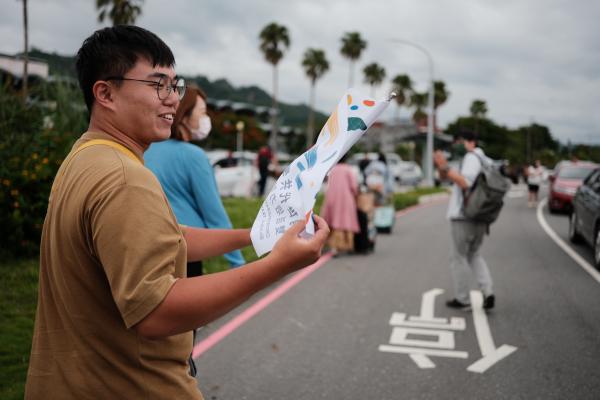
[[293, 196]]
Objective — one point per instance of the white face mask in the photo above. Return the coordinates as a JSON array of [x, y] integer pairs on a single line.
[[204, 127]]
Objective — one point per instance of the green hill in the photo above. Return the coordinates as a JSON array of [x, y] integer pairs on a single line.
[[293, 114]]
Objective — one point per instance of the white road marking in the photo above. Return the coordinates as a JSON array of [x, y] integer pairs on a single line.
[[422, 361], [482, 328], [456, 323], [443, 339], [428, 307], [587, 267], [481, 365], [491, 354], [427, 352]]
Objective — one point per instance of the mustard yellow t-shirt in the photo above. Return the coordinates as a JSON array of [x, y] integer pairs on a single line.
[[110, 251]]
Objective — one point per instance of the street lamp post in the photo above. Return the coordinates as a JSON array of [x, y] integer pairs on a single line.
[[429, 147], [239, 126]]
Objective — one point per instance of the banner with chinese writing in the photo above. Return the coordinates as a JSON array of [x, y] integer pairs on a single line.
[[293, 197]]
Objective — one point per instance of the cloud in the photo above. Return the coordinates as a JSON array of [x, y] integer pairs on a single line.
[[534, 60]]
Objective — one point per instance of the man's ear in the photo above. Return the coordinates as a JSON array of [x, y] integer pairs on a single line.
[[104, 94]]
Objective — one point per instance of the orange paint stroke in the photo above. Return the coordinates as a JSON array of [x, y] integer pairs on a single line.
[[369, 103], [332, 127], [307, 216], [349, 99]]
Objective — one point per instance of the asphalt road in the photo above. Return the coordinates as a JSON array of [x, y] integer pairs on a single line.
[[330, 337]]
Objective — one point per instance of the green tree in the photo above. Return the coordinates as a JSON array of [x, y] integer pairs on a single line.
[[374, 76], [120, 12], [352, 47], [315, 64], [419, 102], [440, 96], [402, 85], [274, 39], [478, 110]]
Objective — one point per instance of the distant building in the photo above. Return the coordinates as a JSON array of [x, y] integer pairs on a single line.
[[386, 136], [12, 66]]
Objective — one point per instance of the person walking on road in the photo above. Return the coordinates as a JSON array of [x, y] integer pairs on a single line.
[[263, 162], [467, 235], [339, 207], [535, 174]]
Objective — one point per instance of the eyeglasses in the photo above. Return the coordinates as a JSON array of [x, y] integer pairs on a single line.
[[163, 89]]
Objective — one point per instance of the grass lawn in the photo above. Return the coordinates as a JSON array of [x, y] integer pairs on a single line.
[[18, 299], [18, 292]]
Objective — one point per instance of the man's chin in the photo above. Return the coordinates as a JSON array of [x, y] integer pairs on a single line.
[[161, 136]]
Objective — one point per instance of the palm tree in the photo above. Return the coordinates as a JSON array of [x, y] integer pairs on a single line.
[[402, 85], [374, 75], [25, 52], [419, 101], [315, 65], [274, 39], [478, 110], [120, 12], [352, 47], [440, 96]]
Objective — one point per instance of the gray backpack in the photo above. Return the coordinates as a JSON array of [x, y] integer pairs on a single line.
[[484, 200]]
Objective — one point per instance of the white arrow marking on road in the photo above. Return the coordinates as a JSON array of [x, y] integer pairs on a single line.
[[561, 243], [428, 307], [491, 354]]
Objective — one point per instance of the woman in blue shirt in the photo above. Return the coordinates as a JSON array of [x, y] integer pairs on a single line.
[[186, 174]]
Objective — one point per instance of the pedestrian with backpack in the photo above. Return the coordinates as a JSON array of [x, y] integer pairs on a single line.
[[468, 232]]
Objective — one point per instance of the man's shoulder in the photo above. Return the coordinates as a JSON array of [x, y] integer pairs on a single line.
[[113, 167]]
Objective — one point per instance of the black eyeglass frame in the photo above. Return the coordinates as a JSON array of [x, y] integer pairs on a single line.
[[170, 88]]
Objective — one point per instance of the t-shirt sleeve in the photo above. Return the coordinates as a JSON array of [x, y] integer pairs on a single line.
[[470, 168], [137, 242]]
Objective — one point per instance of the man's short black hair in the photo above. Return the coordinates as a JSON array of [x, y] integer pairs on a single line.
[[113, 51], [467, 135]]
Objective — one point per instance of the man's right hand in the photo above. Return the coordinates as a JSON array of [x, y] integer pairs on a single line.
[[293, 252]]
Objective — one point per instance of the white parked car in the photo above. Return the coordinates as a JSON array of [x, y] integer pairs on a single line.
[[410, 173], [394, 162], [237, 175]]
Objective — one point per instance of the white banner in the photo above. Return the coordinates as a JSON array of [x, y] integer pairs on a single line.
[[293, 196]]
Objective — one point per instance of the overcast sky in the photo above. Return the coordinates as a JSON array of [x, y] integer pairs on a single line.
[[530, 60]]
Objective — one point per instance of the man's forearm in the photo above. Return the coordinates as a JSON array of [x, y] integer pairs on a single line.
[[206, 243], [193, 302], [457, 178]]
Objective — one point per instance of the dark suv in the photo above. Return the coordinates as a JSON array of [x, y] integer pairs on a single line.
[[584, 223]]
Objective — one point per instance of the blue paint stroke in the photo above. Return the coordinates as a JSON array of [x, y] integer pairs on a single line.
[[330, 157], [298, 182], [300, 166], [355, 123], [311, 157], [354, 108]]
